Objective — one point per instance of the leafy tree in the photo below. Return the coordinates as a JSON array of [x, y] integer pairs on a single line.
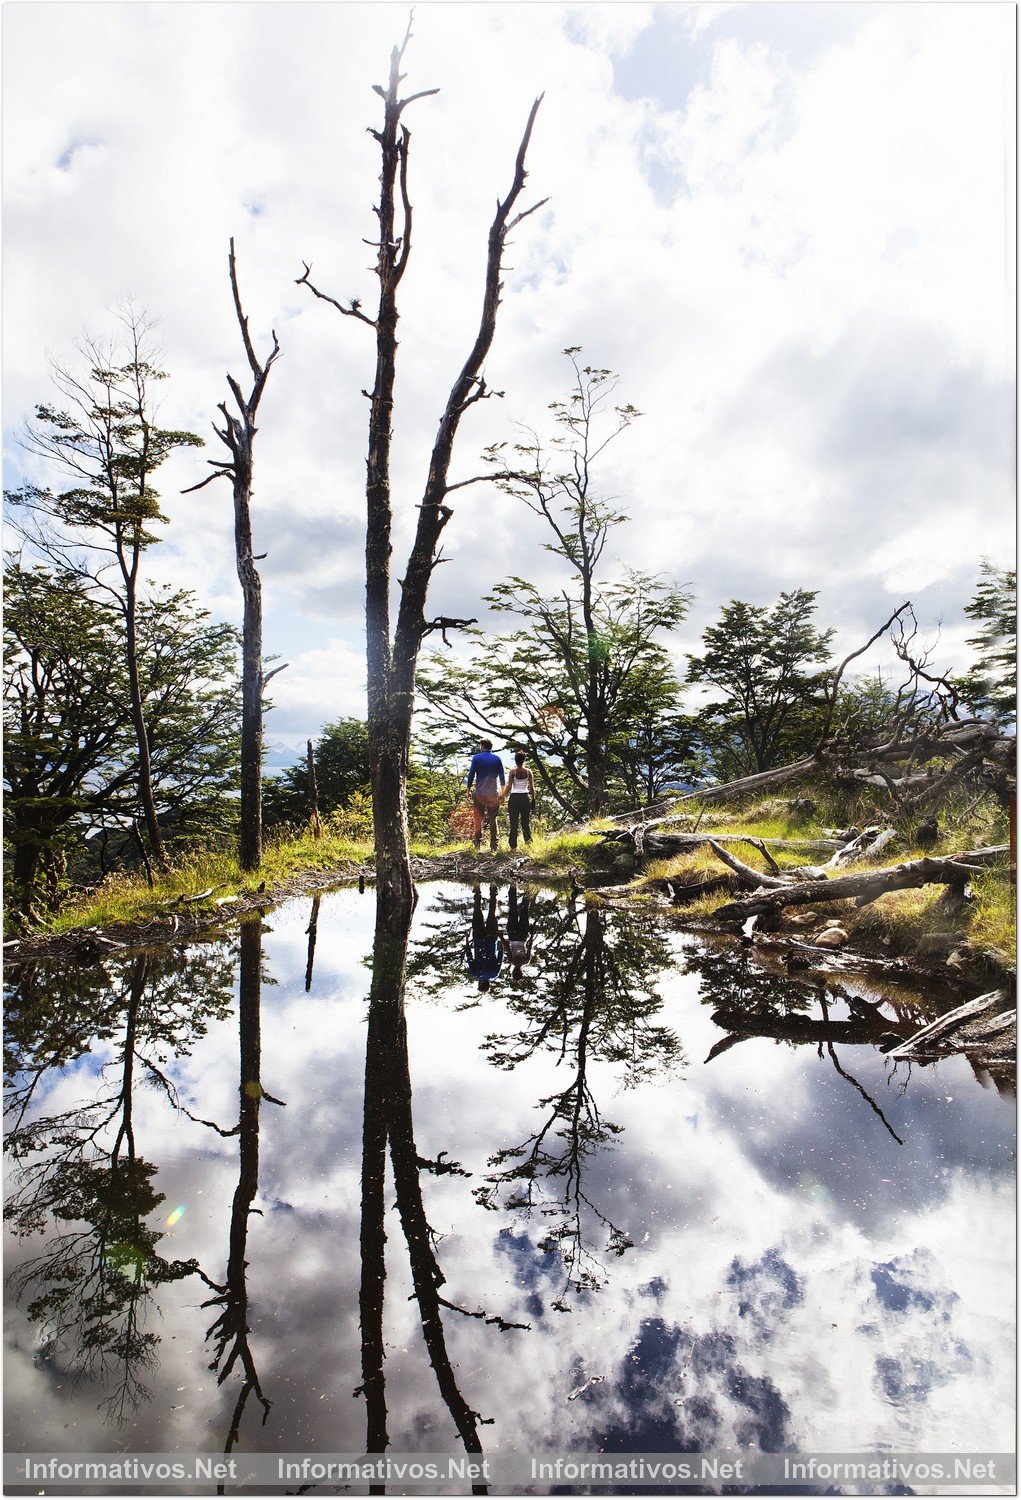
[[659, 748], [530, 689], [343, 780], [63, 746], [70, 756], [586, 663], [342, 768], [761, 661], [102, 434], [990, 687]]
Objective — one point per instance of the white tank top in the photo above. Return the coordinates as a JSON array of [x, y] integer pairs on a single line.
[[519, 779]]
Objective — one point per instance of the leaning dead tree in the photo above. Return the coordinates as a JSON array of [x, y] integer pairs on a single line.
[[922, 746], [392, 653], [238, 435]]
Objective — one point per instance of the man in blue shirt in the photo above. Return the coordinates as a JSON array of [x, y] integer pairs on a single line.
[[488, 776]]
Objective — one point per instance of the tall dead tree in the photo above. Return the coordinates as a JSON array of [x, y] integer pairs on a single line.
[[392, 655], [238, 435]]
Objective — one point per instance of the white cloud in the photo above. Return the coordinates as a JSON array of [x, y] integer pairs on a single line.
[[819, 219]]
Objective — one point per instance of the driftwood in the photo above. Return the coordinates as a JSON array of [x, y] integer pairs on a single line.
[[861, 888]]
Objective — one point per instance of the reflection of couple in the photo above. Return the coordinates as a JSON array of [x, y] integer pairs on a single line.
[[485, 948]]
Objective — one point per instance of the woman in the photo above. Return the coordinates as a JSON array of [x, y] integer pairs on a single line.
[[520, 794]]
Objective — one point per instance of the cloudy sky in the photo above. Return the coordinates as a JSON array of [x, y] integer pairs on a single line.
[[770, 1298], [789, 227]]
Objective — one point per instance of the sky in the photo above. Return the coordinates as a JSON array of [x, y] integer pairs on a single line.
[[788, 227], [785, 1297]]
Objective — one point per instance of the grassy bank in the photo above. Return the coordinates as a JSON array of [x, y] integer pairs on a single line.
[[921, 923], [127, 899]]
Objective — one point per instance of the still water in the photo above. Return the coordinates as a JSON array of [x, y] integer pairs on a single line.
[[608, 1188]]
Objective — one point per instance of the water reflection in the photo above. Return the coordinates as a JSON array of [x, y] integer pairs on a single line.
[[597, 1003], [230, 1330], [725, 1238], [80, 1178], [388, 1121], [752, 1001]]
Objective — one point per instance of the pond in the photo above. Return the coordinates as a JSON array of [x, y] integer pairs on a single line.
[[597, 1185]]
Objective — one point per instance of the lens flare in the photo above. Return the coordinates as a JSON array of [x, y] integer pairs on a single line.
[[173, 1217]]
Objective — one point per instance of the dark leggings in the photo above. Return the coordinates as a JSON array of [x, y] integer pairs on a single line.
[[519, 805]]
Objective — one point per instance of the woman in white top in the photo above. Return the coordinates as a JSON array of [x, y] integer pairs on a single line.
[[520, 794]]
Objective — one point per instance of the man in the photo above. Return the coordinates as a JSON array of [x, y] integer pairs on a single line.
[[483, 947], [488, 776]]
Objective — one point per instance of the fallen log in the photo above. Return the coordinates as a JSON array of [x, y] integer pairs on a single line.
[[943, 1028], [863, 887], [865, 846], [661, 845], [747, 874]]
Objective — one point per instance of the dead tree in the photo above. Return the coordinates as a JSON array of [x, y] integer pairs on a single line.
[[771, 894], [392, 656], [238, 435], [313, 790]]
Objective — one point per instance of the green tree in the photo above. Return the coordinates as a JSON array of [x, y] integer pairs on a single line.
[[569, 683], [761, 661], [990, 686], [533, 688], [343, 778], [70, 756], [102, 434], [342, 766], [64, 748]]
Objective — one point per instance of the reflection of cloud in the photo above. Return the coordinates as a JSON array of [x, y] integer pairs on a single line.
[[771, 1298]]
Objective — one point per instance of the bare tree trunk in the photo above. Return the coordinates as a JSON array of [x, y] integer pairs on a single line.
[[238, 435], [391, 664], [145, 793], [250, 843], [313, 791]]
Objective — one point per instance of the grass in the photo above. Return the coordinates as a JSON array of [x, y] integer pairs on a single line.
[[125, 899], [993, 923], [128, 898], [900, 919]]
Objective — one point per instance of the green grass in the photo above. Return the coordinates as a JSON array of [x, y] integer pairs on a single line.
[[128, 898], [993, 922]]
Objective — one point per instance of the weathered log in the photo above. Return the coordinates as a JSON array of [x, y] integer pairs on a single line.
[[942, 1028], [858, 1031], [746, 873], [866, 846], [863, 887], [661, 845]]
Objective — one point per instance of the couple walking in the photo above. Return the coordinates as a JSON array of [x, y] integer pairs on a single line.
[[491, 785]]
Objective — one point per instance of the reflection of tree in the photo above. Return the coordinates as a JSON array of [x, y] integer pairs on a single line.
[[56, 1014], [388, 1121], [753, 1001], [311, 931], [92, 1282], [230, 1330], [597, 1003]]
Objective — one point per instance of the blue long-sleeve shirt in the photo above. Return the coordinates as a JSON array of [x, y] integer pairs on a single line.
[[487, 772]]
